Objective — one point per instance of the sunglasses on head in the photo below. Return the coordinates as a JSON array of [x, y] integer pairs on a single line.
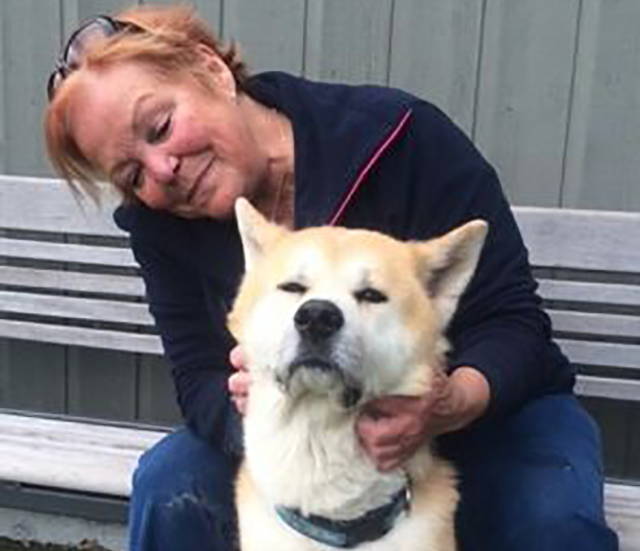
[[101, 26]]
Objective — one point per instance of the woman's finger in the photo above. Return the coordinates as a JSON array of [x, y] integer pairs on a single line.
[[240, 403], [239, 384], [236, 359]]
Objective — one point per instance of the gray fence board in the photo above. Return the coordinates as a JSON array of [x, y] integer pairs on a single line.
[[210, 10], [29, 35], [102, 384], [156, 396], [524, 94], [55, 212], [349, 41], [602, 157], [612, 415], [35, 377], [633, 437], [271, 34], [554, 138], [76, 11], [4, 20], [434, 53]]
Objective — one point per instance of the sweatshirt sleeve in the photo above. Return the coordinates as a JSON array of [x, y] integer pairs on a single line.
[[190, 313], [500, 327]]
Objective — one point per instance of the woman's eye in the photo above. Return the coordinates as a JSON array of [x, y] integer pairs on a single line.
[[159, 130], [293, 287], [133, 180], [369, 294]]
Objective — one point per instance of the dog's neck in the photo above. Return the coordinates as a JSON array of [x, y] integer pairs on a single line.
[[307, 456]]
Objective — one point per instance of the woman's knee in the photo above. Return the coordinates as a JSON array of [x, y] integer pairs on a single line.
[[535, 483], [181, 463], [182, 497]]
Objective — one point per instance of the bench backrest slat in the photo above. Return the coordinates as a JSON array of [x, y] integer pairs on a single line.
[[79, 336], [47, 204], [601, 353], [28, 249], [592, 323], [581, 239], [607, 387], [60, 280], [590, 292], [75, 307]]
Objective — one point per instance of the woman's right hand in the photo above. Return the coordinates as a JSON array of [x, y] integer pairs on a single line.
[[240, 381]]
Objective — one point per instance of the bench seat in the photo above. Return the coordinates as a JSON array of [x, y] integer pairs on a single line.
[[71, 455], [623, 513]]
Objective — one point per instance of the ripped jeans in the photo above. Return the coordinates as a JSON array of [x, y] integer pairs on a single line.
[[534, 483]]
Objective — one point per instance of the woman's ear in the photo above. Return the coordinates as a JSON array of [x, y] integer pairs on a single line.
[[222, 77]]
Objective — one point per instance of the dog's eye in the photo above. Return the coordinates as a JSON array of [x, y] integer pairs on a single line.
[[293, 287], [370, 295]]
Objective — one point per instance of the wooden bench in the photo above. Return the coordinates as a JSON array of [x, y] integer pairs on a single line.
[[83, 290], [588, 267]]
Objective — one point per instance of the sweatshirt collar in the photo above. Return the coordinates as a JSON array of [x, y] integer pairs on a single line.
[[340, 133]]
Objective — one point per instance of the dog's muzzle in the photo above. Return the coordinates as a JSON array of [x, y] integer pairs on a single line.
[[318, 323]]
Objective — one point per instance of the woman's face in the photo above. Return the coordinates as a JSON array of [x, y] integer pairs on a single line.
[[172, 142]]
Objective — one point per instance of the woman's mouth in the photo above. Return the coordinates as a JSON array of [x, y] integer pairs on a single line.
[[199, 192]]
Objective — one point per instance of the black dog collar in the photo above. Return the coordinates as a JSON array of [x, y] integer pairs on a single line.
[[347, 534]]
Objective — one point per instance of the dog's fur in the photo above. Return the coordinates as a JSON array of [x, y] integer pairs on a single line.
[[301, 447]]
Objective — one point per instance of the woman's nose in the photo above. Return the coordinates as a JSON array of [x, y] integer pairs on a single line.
[[161, 167], [161, 172]]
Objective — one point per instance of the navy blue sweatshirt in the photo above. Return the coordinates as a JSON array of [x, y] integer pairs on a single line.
[[368, 157]]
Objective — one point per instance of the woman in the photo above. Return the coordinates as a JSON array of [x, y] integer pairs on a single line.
[[151, 102]]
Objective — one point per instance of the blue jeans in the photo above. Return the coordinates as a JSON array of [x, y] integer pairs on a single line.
[[534, 483]]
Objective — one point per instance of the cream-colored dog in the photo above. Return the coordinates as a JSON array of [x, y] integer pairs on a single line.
[[328, 319]]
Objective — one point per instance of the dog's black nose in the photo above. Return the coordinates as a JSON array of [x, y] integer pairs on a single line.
[[318, 319]]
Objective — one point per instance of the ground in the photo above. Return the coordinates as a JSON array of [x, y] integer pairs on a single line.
[[11, 545]]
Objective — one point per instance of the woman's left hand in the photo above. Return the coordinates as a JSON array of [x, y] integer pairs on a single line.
[[391, 429]]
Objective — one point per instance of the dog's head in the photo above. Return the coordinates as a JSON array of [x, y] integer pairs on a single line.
[[352, 314]]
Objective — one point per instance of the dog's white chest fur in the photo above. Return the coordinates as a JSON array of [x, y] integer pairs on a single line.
[[318, 467], [311, 459]]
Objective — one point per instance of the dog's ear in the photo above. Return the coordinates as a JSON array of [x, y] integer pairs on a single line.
[[256, 232], [446, 265]]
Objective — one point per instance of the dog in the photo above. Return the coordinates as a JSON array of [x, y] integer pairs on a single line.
[[328, 319]]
